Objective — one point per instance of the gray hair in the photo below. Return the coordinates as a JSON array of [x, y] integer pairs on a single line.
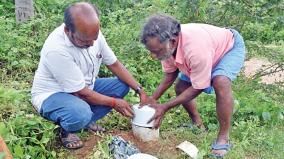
[[162, 26]]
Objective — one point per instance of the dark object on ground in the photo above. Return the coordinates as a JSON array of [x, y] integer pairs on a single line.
[[121, 149]]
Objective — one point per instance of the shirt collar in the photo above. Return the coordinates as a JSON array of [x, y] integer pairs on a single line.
[[66, 39]]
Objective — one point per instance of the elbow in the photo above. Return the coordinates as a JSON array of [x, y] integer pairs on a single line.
[[77, 94], [83, 94]]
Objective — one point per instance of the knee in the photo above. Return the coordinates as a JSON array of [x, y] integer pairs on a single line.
[[78, 118], [179, 88], [123, 89], [221, 84]]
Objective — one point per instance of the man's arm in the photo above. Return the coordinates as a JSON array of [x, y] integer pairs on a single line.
[[189, 94], [122, 73], [168, 80], [95, 98]]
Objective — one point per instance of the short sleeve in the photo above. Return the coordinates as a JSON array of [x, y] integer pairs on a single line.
[[65, 71], [168, 65], [108, 57]]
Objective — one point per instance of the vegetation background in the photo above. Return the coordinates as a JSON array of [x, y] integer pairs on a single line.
[[257, 126]]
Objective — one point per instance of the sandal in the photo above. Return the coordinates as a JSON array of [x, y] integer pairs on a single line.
[[70, 140], [95, 127], [216, 146]]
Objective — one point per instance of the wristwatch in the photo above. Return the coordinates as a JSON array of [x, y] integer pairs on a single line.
[[138, 90]]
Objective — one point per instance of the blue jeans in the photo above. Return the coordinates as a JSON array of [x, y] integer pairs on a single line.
[[73, 113], [230, 64]]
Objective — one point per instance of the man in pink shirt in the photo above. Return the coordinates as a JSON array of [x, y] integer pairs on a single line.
[[204, 58]]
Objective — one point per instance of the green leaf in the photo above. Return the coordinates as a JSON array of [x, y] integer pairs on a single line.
[[30, 122], [44, 140], [3, 130], [14, 63], [266, 116], [19, 152], [53, 153], [201, 154], [212, 127], [280, 116]]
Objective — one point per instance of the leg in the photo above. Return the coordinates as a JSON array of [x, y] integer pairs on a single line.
[[71, 113], [112, 87], [224, 108], [189, 106], [222, 75]]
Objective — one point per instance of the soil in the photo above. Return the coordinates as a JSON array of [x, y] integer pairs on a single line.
[[89, 144], [164, 148], [254, 65]]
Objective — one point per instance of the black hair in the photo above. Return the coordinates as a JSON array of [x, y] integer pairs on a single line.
[[68, 19]]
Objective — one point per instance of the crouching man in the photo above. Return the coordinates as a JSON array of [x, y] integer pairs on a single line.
[[65, 89]]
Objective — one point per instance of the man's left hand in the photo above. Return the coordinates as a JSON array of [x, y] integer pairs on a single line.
[[159, 114]]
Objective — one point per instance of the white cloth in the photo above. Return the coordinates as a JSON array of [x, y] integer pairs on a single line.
[[64, 67]]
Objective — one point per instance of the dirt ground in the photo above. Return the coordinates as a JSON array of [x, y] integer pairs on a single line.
[[255, 65], [165, 147], [89, 144]]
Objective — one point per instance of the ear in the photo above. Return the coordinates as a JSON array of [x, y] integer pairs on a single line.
[[174, 41], [66, 30]]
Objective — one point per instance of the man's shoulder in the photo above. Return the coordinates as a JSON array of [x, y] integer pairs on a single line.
[[56, 42], [193, 33], [57, 32], [192, 28]]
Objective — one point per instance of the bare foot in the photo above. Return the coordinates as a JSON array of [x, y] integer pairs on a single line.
[[199, 125], [198, 122]]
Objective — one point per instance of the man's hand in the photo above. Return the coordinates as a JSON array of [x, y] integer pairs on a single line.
[[145, 99], [159, 114], [123, 107], [151, 100]]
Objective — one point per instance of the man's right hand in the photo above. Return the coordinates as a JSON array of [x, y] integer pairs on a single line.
[[123, 107], [150, 100]]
